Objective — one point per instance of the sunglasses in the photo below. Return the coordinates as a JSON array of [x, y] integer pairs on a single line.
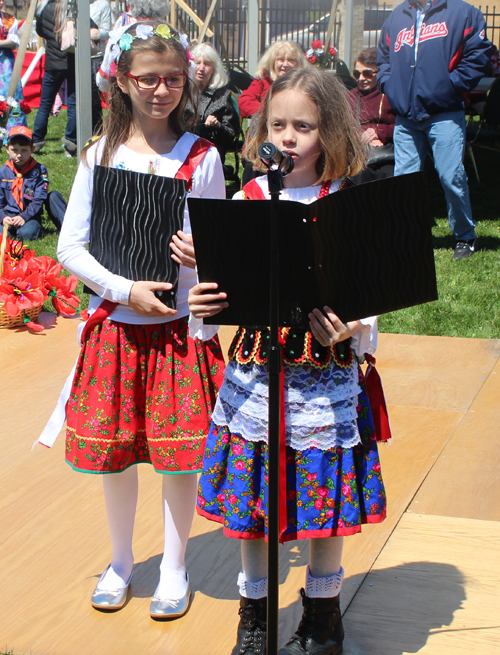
[[152, 82], [367, 73]]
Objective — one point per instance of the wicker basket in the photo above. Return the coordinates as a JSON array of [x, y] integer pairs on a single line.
[[33, 312], [15, 321]]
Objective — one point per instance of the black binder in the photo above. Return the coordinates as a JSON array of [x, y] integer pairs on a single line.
[[363, 251], [134, 216]]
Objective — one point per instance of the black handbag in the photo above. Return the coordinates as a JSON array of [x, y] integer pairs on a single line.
[[380, 155]]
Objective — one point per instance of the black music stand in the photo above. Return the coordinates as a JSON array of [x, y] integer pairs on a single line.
[[274, 364], [363, 251]]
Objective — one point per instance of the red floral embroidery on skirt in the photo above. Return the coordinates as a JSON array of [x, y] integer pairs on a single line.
[[142, 393]]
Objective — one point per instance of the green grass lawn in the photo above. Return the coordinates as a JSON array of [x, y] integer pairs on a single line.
[[468, 290]]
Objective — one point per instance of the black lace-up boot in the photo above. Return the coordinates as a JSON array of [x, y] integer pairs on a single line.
[[320, 630], [252, 627]]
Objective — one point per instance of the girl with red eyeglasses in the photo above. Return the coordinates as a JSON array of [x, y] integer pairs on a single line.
[[143, 389]]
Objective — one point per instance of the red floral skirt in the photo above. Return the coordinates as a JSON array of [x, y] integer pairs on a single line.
[[142, 393]]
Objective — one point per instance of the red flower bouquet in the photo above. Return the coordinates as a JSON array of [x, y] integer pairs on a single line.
[[320, 56], [26, 281], [25, 107]]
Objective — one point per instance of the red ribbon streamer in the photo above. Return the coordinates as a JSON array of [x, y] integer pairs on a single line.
[[98, 317], [377, 401]]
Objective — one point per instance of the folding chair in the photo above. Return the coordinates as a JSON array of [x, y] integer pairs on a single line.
[[486, 133]]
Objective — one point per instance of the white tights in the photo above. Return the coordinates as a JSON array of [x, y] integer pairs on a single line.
[[325, 557], [178, 500]]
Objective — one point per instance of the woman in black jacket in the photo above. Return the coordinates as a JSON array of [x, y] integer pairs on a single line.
[[59, 66], [218, 118]]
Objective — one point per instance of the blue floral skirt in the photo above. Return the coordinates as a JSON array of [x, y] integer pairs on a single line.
[[7, 59], [328, 492]]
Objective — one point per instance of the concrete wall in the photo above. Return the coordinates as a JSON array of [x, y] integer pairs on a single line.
[[357, 32]]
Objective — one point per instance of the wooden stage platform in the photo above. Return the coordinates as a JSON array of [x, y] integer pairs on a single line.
[[425, 581]]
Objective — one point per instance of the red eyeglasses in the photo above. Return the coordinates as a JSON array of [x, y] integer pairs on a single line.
[[152, 82], [367, 73]]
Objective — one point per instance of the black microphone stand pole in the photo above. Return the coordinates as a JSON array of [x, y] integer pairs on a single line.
[[274, 363]]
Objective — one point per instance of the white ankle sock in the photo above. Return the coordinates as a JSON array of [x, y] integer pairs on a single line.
[[327, 587], [120, 494], [253, 590], [179, 498]]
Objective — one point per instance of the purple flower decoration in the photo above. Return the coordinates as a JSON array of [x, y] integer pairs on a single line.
[[144, 32]]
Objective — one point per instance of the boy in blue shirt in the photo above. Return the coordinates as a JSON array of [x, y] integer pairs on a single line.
[[24, 189]]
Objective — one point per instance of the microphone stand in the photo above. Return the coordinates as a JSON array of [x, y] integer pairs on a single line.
[[274, 363]]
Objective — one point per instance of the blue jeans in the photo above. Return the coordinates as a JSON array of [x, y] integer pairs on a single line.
[[445, 135], [56, 208], [29, 231], [51, 84]]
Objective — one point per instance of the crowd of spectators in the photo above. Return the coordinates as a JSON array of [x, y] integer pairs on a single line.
[[409, 99]]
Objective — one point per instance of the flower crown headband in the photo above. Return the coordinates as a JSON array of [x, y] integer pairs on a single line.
[[120, 40]]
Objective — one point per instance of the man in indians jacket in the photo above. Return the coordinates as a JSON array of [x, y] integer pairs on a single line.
[[431, 54]]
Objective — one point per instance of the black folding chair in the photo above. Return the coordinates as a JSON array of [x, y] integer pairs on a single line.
[[239, 79], [486, 133], [344, 75]]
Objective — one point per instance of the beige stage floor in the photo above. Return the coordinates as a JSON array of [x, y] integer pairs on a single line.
[[425, 581]]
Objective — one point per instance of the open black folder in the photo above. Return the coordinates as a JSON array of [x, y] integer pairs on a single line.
[[363, 251]]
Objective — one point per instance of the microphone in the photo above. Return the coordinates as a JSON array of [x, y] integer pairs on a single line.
[[275, 159]]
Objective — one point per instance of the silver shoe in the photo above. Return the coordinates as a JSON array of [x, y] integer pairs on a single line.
[[167, 608], [110, 599]]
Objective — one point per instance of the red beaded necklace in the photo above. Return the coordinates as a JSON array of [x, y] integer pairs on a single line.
[[325, 188]]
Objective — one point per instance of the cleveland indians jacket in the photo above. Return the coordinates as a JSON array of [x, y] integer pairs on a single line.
[[453, 54]]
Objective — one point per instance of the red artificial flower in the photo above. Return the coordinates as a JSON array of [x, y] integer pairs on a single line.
[[333, 51], [312, 59], [25, 107], [64, 299], [19, 293], [15, 268], [36, 327], [317, 45], [48, 268], [3, 107], [15, 252], [28, 280]]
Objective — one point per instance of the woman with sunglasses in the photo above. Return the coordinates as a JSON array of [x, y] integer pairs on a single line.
[[374, 113]]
